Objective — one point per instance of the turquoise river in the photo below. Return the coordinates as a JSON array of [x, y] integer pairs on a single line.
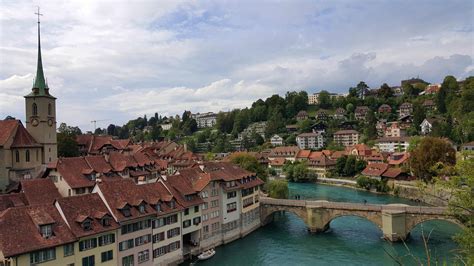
[[349, 241]]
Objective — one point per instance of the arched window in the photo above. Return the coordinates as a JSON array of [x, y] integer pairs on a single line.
[[27, 155], [49, 109], [35, 109], [17, 156]]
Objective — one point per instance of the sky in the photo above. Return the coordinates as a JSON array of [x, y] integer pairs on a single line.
[[116, 60]]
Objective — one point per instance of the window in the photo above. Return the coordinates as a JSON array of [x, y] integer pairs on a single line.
[[127, 244], [159, 237], [214, 192], [186, 223], [127, 261], [158, 207], [143, 256], [205, 217], [173, 232], [248, 202], [214, 203], [50, 110], [17, 156], [106, 239], [173, 246], [86, 225], [205, 205], [88, 261], [141, 208], [128, 228], [231, 207], [87, 244], [142, 240], [204, 194], [172, 204], [105, 221], [172, 219], [27, 155], [186, 211], [232, 194], [43, 255], [197, 220], [205, 229], [46, 230], [214, 214], [157, 223], [35, 109], [107, 255], [68, 249], [196, 208], [159, 252], [126, 211], [215, 226]]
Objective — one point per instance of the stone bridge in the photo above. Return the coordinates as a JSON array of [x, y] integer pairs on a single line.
[[395, 220]]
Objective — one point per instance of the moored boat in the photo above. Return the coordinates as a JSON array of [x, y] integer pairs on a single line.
[[207, 254]]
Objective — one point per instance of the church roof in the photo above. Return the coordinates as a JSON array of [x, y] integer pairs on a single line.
[[23, 138], [40, 87], [7, 129]]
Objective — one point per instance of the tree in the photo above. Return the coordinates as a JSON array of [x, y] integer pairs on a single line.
[[419, 115], [305, 126], [275, 124], [191, 144], [324, 100], [370, 129], [349, 167], [428, 152], [362, 89], [461, 203], [350, 108], [67, 145], [249, 163], [340, 164], [278, 189], [385, 91], [111, 130]]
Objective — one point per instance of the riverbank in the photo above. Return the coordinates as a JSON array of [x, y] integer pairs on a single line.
[[404, 189]]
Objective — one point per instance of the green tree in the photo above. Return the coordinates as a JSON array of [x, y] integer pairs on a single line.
[[362, 89], [350, 108], [249, 163], [340, 164], [67, 144], [385, 91], [428, 152], [461, 203], [370, 129], [349, 167], [324, 100], [419, 115], [277, 189], [305, 125]]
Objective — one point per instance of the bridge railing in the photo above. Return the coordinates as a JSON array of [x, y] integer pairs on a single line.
[[353, 206]]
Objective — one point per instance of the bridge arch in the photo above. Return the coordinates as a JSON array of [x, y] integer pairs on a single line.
[[413, 222], [267, 213], [373, 220]]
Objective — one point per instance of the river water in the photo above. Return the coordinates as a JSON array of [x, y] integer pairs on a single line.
[[350, 240]]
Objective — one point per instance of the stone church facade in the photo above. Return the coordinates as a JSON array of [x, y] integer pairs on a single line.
[[25, 152]]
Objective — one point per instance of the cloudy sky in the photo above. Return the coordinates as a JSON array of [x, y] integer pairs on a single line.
[[116, 60]]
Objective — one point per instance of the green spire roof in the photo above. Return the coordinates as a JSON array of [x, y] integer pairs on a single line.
[[40, 87]]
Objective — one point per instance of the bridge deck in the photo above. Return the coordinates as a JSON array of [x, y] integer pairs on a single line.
[[354, 206]]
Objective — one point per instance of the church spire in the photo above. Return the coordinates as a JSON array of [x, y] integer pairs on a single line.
[[40, 87]]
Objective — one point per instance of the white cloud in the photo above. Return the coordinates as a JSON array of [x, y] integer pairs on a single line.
[[118, 59]]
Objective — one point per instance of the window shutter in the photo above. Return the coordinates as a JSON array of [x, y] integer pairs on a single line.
[[94, 242], [113, 238], [81, 246]]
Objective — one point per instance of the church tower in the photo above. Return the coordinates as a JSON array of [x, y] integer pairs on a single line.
[[41, 111]]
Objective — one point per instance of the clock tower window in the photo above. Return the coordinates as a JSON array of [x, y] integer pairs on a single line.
[[49, 109], [35, 109]]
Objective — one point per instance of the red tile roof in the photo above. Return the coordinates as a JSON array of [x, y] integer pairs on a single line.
[[303, 154], [392, 172], [40, 191], [12, 200], [375, 169], [76, 209], [277, 162], [98, 163], [20, 234], [23, 138], [73, 170], [7, 129], [121, 192]]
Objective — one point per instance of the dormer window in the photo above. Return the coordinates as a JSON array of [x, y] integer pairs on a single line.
[[172, 204], [46, 230], [126, 211], [87, 225], [105, 221], [141, 208], [158, 207]]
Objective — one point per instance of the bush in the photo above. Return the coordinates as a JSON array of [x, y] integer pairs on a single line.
[[277, 189], [369, 183]]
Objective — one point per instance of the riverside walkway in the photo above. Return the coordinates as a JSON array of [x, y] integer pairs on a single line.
[[395, 220]]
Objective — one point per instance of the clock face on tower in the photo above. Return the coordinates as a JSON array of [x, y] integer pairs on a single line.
[[50, 122], [34, 122]]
